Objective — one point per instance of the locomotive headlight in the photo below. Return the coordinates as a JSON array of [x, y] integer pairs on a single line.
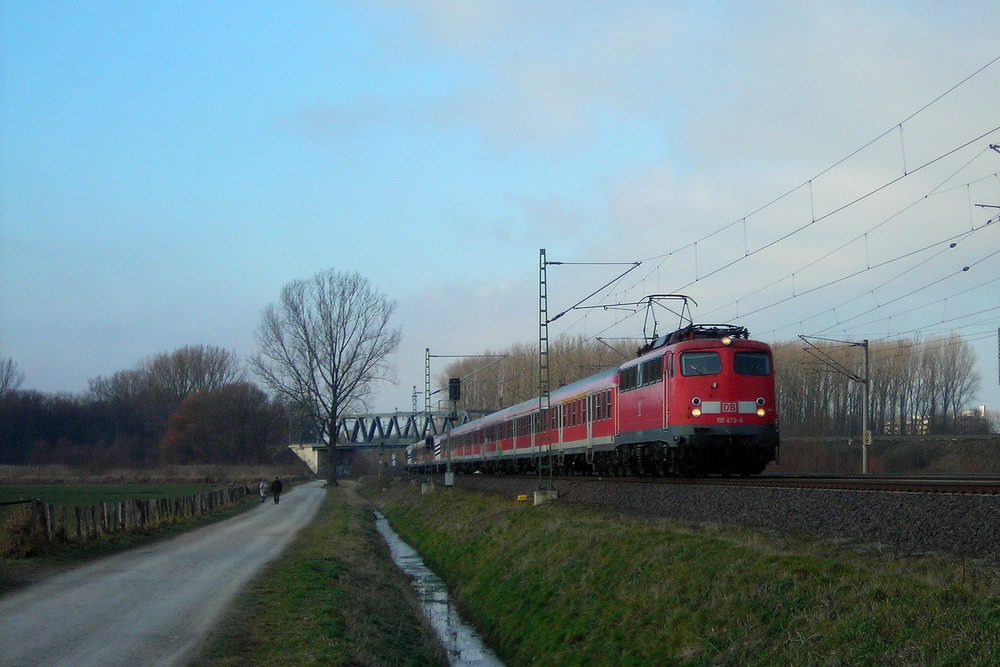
[[696, 410], [727, 340], [760, 412]]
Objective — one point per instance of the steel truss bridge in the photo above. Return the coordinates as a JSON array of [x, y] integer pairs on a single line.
[[396, 429]]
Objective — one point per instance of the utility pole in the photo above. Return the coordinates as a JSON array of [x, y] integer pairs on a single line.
[[866, 434], [454, 395], [864, 380], [544, 390], [427, 380], [544, 387]]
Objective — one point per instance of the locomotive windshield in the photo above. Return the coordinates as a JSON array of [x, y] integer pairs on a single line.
[[752, 363], [701, 363]]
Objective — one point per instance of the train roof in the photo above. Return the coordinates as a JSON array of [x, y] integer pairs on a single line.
[[603, 379], [697, 332]]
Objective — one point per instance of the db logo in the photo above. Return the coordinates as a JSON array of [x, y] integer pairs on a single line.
[[729, 407]]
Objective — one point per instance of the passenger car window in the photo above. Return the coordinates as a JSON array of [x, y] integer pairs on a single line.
[[700, 363], [752, 363]]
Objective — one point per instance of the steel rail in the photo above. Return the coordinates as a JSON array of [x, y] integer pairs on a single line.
[[979, 484]]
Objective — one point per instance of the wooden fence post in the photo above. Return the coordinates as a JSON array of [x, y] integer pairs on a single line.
[[47, 514], [91, 521]]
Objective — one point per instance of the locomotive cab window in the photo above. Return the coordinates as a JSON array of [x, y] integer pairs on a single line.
[[700, 363], [752, 363]]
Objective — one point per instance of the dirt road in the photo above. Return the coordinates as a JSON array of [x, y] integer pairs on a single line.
[[152, 605]]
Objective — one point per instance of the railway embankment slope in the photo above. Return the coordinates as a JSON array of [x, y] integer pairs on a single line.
[[573, 583]]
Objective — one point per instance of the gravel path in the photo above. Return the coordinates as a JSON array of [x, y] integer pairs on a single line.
[[905, 523], [152, 605]]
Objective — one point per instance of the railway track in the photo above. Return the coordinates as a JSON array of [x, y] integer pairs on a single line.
[[898, 483], [901, 514], [904, 514]]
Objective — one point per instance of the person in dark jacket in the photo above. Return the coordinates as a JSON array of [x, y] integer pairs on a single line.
[[276, 489]]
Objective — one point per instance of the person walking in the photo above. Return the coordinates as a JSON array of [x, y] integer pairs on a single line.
[[276, 489], [263, 489]]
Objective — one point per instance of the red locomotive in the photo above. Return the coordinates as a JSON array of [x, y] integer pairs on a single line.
[[698, 401]]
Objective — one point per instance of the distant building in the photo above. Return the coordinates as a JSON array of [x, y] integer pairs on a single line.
[[979, 412], [914, 426]]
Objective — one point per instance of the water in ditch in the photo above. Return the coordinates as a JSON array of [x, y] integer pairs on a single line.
[[464, 645]]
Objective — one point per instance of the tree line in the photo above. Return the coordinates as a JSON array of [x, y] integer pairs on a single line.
[[193, 405], [497, 379], [323, 346], [916, 387]]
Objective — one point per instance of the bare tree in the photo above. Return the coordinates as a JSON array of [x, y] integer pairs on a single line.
[[11, 376], [141, 399], [170, 378], [961, 381], [515, 379], [324, 345], [917, 386]]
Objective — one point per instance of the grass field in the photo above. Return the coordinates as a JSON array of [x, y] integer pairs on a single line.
[[71, 495]]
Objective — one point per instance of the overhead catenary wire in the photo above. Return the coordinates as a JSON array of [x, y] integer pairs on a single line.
[[702, 272], [808, 182], [835, 211], [864, 235]]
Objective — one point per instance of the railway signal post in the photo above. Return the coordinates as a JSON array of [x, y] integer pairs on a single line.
[[454, 394]]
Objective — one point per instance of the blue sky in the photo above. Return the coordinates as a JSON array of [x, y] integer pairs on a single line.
[[166, 167]]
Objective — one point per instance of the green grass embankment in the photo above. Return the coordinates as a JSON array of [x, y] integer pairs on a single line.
[[333, 598], [560, 585]]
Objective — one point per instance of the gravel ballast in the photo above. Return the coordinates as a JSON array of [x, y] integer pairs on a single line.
[[903, 523]]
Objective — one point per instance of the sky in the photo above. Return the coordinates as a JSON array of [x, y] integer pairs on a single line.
[[798, 168]]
